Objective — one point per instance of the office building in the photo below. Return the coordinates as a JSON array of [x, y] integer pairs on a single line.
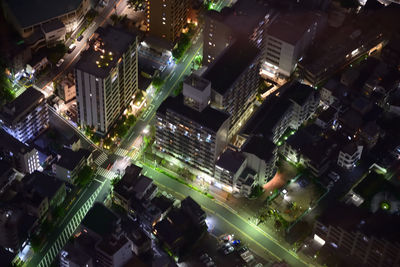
[[288, 38], [27, 16], [234, 82], [106, 78], [166, 18], [194, 137], [26, 116], [246, 19], [19, 155]]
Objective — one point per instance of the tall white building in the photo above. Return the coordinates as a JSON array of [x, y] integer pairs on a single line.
[[287, 40], [106, 78]]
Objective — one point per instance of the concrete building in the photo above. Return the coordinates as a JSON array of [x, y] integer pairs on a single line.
[[193, 210], [26, 116], [166, 18], [349, 155], [193, 137], [106, 78], [70, 162], [71, 256], [288, 38], [21, 156], [27, 16], [234, 82], [66, 89], [246, 19]]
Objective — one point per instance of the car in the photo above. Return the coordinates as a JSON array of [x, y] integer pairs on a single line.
[[71, 48], [210, 264], [80, 37], [60, 62], [228, 250], [204, 256], [227, 237], [334, 176], [207, 260]]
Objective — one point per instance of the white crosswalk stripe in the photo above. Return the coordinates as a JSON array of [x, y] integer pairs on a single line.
[[106, 173], [101, 159], [121, 152]]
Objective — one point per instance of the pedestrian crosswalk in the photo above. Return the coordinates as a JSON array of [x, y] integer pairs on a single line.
[[106, 173], [100, 159], [121, 152]]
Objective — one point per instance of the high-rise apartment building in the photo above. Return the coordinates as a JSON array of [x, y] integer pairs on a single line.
[[193, 135], [234, 82], [247, 19], [166, 18], [25, 117], [106, 78], [288, 38]]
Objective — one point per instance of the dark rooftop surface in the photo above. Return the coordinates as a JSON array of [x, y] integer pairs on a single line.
[[52, 25], [230, 160], [259, 146], [197, 82], [209, 117], [14, 110], [291, 27], [36, 11], [100, 219], [298, 93], [70, 159], [243, 17], [230, 65], [116, 41], [45, 185]]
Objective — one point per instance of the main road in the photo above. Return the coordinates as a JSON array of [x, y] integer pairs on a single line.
[[228, 216]]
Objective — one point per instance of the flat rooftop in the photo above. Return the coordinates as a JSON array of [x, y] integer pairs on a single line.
[[230, 65], [114, 42], [230, 160], [22, 105], [70, 159], [291, 27], [9, 143], [29, 13], [100, 220], [209, 117], [243, 17], [197, 82]]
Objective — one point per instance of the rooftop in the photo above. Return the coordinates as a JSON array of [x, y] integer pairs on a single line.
[[52, 25], [105, 51], [230, 160], [197, 82], [70, 159], [298, 93], [176, 105], [29, 13], [243, 17], [100, 220], [23, 104], [227, 68], [291, 27], [259, 146], [45, 185]]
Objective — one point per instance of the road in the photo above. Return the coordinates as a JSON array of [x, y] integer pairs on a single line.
[[58, 234], [228, 216], [72, 58]]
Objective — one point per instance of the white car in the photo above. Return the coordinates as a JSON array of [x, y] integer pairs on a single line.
[[60, 62]]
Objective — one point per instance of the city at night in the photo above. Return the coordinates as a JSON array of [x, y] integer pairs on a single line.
[[190, 133]]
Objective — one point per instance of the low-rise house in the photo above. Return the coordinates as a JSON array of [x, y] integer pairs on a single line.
[[70, 162]]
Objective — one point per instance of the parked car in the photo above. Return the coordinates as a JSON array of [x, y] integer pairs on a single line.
[[228, 250], [80, 37], [204, 256], [60, 62], [71, 48]]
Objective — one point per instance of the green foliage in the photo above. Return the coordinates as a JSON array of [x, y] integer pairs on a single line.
[[257, 191], [115, 180], [157, 82], [91, 15], [178, 89], [182, 46], [6, 93], [85, 176], [134, 4], [56, 52], [131, 119]]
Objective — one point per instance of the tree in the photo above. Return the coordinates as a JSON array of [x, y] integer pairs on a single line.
[[157, 82], [6, 93], [134, 4], [85, 175], [130, 120], [114, 18]]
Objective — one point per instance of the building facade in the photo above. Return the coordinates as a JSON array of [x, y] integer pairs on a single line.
[[106, 78], [25, 117], [166, 18]]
